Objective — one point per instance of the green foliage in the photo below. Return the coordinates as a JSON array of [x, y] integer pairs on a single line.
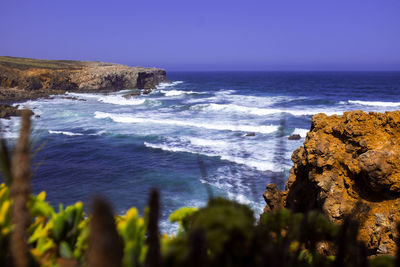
[[61, 234], [56, 235], [382, 261], [181, 216], [64, 234], [5, 222], [132, 228], [224, 222], [227, 229], [229, 236], [224, 233], [65, 250]]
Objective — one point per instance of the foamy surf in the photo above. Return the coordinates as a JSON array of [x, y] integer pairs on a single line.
[[236, 190], [177, 92], [9, 128], [233, 108], [301, 132], [208, 142], [169, 84], [120, 100], [375, 103], [84, 96], [252, 163], [65, 133], [128, 118]]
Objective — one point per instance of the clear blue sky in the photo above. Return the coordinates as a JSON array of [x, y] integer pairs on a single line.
[[208, 34]]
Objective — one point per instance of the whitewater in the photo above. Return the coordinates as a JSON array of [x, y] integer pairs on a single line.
[[224, 130]]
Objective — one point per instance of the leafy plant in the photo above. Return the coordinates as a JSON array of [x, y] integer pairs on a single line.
[[181, 216], [132, 228]]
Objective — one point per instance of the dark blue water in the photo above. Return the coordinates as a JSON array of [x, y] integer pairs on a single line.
[[122, 148]]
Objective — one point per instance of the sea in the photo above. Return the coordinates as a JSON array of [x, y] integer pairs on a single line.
[[199, 136]]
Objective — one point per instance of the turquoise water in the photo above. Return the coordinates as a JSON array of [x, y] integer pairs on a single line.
[[190, 134]]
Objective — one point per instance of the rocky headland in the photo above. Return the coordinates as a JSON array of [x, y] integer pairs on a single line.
[[24, 78], [346, 160]]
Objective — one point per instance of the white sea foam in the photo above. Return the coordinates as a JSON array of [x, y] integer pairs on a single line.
[[240, 193], [237, 108], [176, 92], [225, 92], [301, 132], [375, 103], [241, 100], [239, 198], [9, 135], [253, 163], [84, 95], [226, 186], [233, 108], [172, 148], [10, 128], [65, 133], [261, 165], [243, 151], [248, 100], [311, 112], [120, 100], [127, 118], [99, 133], [165, 85], [218, 184], [208, 142], [168, 227]]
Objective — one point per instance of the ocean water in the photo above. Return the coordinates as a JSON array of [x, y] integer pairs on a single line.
[[188, 137]]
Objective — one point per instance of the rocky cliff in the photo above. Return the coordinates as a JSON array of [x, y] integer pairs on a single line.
[[344, 160], [24, 78]]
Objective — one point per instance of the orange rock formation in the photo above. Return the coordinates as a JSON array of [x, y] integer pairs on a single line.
[[346, 159]]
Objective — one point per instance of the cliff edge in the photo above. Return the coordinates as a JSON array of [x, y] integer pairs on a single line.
[[346, 159], [25, 78]]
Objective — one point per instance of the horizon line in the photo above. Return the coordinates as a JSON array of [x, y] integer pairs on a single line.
[[261, 70]]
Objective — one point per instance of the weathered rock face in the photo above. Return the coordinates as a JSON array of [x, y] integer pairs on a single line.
[[100, 76], [22, 78], [346, 159]]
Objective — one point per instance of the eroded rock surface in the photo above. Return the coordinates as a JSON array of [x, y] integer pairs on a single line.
[[24, 78], [346, 159]]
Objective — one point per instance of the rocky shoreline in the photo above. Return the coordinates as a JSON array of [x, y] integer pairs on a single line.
[[23, 79], [347, 160]]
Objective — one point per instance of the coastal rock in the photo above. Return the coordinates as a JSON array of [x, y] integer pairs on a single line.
[[73, 98], [7, 111], [24, 78], [131, 95], [273, 198], [344, 160], [250, 134], [294, 137], [146, 91], [113, 77]]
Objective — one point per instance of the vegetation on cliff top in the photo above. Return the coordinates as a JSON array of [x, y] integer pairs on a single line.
[[28, 63]]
